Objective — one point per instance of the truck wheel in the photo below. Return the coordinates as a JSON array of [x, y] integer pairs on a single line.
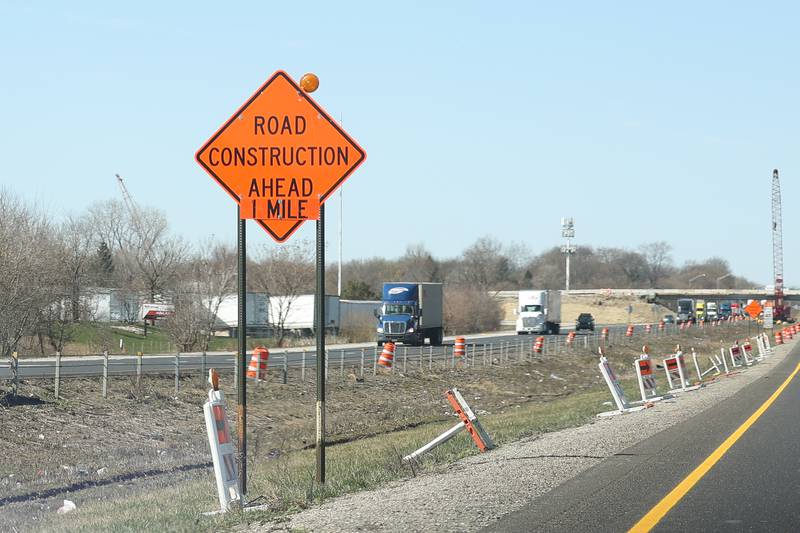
[[380, 343], [438, 337]]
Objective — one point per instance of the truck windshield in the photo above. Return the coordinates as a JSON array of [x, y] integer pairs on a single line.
[[531, 308], [398, 309]]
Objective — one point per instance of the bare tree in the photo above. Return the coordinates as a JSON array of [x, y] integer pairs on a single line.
[[417, 264], [484, 265], [658, 256], [26, 271], [470, 309], [284, 273], [206, 280]]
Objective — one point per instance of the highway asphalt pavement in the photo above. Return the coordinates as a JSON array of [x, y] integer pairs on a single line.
[[754, 486]]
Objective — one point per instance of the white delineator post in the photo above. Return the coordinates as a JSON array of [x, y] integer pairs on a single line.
[[700, 373], [623, 406], [223, 452], [724, 359]]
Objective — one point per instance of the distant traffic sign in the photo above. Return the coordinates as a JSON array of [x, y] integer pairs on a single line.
[[280, 156], [768, 318], [753, 309]]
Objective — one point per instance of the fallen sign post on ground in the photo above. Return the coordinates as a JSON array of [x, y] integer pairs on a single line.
[[468, 422]]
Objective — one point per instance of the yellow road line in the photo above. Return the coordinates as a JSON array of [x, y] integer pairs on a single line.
[[669, 501]]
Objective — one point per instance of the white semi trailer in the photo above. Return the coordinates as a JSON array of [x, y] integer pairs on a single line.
[[538, 312]]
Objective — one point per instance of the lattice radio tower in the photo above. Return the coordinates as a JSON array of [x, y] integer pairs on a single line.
[[777, 245]]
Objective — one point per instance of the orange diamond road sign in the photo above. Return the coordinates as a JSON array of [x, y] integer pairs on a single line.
[[280, 156], [753, 309]]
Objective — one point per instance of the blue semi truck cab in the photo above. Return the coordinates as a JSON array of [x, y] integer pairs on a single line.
[[411, 312]]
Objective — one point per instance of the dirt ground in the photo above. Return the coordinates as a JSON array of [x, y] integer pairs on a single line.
[[80, 444], [612, 309]]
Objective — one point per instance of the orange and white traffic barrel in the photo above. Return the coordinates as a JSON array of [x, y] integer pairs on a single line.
[[538, 346], [778, 337], [604, 333], [257, 368], [661, 325], [629, 331], [387, 355], [648, 328], [460, 347], [570, 338]]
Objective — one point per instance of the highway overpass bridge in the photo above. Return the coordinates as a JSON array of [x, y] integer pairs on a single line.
[[666, 297]]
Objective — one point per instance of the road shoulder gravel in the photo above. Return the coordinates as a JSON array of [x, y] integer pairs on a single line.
[[476, 491]]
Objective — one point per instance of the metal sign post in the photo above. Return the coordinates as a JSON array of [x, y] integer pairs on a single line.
[[319, 324], [241, 356], [279, 157]]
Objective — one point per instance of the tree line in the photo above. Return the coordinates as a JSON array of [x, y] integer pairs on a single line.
[[49, 267]]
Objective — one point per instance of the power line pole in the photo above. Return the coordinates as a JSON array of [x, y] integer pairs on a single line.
[[567, 232]]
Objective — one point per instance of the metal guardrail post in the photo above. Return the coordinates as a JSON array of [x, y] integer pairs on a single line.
[[202, 366], [177, 372], [375, 362], [363, 351], [105, 374], [405, 357], [15, 370], [430, 357], [341, 363], [139, 370], [57, 385], [285, 367], [303, 367]]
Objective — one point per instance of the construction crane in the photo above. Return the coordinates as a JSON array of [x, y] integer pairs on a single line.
[[781, 312], [129, 204]]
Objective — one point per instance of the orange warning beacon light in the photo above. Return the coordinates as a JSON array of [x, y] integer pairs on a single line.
[[309, 82]]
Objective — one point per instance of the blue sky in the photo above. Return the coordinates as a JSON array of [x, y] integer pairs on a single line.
[[643, 122]]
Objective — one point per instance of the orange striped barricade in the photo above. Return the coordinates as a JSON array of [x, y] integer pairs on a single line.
[[778, 338], [622, 403], [762, 349], [386, 359], [257, 368], [222, 449], [468, 422], [648, 328], [647, 379], [661, 326], [675, 368], [629, 331], [767, 346], [702, 373], [747, 352], [460, 347], [735, 351]]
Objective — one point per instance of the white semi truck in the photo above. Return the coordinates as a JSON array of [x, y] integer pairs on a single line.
[[538, 312]]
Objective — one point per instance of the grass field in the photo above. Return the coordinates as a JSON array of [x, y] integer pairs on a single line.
[[287, 483]]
